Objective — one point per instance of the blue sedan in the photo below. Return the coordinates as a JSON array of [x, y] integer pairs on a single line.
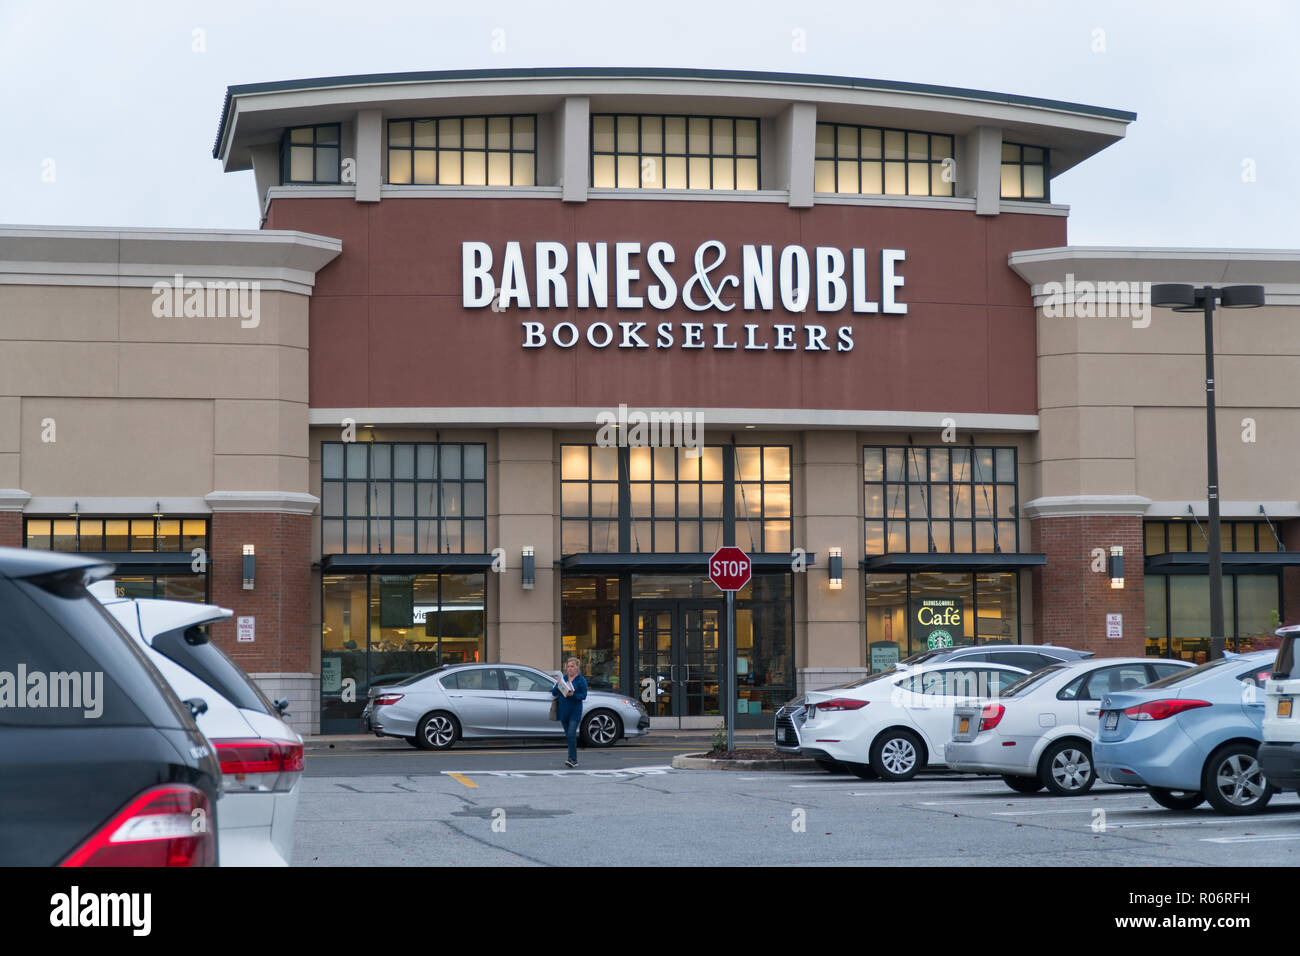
[[1191, 737]]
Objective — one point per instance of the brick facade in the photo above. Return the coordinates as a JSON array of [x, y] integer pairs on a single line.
[[11, 529], [280, 602], [1071, 600]]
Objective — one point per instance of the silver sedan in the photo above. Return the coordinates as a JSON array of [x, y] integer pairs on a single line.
[[480, 701]]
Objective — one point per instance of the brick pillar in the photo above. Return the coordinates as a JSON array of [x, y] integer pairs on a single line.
[[12, 502], [1289, 532], [279, 657], [1071, 600]]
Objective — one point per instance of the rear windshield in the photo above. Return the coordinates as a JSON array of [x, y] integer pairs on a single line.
[[64, 662], [1030, 680], [191, 649], [412, 679], [1191, 673], [893, 671]]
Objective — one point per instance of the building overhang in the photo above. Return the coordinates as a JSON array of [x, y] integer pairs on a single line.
[[405, 563], [678, 563], [1241, 562], [254, 114], [970, 561]]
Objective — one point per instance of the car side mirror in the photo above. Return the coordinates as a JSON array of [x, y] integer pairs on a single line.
[[282, 707], [197, 705]]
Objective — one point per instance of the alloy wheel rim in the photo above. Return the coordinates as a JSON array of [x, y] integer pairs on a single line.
[[438, 731], [601, 729], [898, 755], [1240, 780], [1071, 769]]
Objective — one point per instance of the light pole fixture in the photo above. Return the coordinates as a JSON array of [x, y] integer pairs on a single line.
[[530, 568], [250, 559], [1117, 567], [1187, 298], [835, 564]]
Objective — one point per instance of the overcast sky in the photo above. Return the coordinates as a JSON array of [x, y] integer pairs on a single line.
[[112, 101]]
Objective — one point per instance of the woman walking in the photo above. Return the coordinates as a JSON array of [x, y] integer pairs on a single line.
[[568, 709]]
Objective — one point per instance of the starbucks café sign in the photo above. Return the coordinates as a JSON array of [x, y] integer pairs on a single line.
[[830, 280]]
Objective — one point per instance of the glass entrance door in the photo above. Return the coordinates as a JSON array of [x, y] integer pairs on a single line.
[[679, 660]]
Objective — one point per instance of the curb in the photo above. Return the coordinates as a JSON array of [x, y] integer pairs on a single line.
[[700, 762]]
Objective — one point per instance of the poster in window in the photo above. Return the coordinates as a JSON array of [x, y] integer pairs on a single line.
[[940, 622]]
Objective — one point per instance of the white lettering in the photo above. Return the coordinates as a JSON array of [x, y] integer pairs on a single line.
[[625, 275], [794, 278], [552, 260], [831, 292], [593, 275], [889, 282], [661, 296], [757, 270], [475, 274]]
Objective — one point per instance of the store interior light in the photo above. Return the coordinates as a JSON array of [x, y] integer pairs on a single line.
[[836, 568], [1117, 567]]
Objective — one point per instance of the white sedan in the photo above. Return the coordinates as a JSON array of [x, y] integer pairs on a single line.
[[1039, 733], [892, 724]]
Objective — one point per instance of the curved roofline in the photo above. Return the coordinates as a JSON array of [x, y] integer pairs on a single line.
[[605, 72]]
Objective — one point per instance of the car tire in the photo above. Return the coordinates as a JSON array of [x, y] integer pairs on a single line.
[[896, 755], [1066, 769], [1022, 784], [1176, 799], [437, 731], [863, 771], [601, 728], [1230, 777]]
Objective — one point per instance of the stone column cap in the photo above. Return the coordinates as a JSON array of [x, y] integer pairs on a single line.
[[288, 502], [1087, 506], [13, 499]]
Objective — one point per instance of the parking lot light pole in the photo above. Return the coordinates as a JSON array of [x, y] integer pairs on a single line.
[[1186, 298]]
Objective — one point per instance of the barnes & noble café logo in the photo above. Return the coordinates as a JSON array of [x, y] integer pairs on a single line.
[[825, 279]]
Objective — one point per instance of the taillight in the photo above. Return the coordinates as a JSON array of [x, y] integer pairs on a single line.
[[841, 703], [170, 825], [990, 716], [1160, 709], [388, 699], [261, 765]]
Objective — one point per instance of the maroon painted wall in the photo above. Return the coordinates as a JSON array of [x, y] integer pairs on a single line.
[[388, 328]]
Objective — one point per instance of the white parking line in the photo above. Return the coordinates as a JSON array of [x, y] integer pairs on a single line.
[[885, 791], [1077, 808], [1261, 838], [1213, 820]]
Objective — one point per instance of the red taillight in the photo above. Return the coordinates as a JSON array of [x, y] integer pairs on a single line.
[[260, 765], [1160, 709], [990, 716], [170, 825], [841, 703], [388, 700]]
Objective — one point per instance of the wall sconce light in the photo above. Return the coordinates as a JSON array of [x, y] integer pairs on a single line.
[[836, 563], [249, 561], [1117, 566], [530, 570]]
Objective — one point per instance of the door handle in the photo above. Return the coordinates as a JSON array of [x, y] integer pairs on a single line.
[[1092, 713]]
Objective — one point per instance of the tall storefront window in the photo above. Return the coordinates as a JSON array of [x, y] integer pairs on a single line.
[[381, 628], [911, 613], [942, 500], [1178, 612], [590, 628], [403, 498], [177, 570]]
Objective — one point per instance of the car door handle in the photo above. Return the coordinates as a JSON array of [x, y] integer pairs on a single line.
[[1092, 713]]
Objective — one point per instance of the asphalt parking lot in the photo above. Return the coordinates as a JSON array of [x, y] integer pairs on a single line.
[[518, 806]]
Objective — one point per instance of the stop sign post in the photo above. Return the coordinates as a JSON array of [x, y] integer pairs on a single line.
[[730, 570]]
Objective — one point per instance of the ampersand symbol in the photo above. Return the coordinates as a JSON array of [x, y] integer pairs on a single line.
[[701, 277]]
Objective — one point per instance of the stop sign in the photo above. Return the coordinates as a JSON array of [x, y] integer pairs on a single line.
[[729, 569]]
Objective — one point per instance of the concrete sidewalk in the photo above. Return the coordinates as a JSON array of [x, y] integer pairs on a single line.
[[704, 738]]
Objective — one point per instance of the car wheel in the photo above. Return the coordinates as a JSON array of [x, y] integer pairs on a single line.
[[600, 729], [1176, 799], [1022, 784], [863, 771], [1066, 769], [1233, 781], [896, 755], [437, 731]]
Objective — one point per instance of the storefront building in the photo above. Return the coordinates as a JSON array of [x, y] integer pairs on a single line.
[[532, 344]]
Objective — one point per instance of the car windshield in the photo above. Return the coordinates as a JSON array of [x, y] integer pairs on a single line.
[[413, 678], [920, 658], [1030, 680], [1191, 673], [895, 669]]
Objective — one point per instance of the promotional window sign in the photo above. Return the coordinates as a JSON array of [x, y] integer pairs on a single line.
[[939, 622]]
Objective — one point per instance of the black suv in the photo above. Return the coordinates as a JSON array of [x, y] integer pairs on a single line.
[[100, 763]]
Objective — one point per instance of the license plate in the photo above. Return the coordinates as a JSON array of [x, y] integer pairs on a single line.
[[1284, 707], [1112, 719], [780, 735], [964, 725]]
